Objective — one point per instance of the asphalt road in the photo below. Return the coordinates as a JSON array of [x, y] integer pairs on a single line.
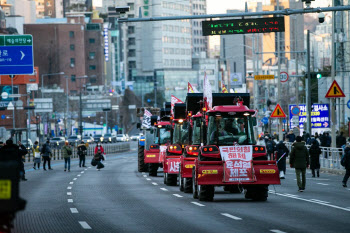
[[120, 199]]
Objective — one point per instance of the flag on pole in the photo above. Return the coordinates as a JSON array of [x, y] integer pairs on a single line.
[[174, 100], [223, 89], [191, 89], [207, 92], [146, 122]]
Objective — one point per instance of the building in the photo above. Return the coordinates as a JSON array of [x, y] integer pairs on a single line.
[[24, 8], [199, 42]]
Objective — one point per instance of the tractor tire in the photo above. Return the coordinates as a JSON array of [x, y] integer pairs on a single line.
[[153, 168], [188, 185], [257, 193], [171, 180], [142, 167], [165, 177], [181, 182], [206, 192], [194, 186]]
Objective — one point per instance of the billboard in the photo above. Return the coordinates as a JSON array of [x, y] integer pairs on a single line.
[[21, 79], [5, 91], [320, 116]]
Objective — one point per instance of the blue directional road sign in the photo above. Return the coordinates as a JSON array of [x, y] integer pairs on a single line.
[[3, 116], [265, 120], [348, 104], [16, 54]]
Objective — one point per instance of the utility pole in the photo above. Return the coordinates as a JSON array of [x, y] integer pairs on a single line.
[[14, 105], [332, 102], [280, 136], [80, 130], [308, 85]]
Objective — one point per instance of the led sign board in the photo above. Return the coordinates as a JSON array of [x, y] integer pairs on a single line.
[[243, 26]]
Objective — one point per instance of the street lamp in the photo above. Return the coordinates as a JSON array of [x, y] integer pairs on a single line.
[[42, 80], [80, 128]]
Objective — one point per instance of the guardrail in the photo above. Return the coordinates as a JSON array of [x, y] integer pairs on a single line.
[[108, 148], [329, 158]]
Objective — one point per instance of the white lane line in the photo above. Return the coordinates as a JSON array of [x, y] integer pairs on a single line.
[[148, 179], [196, 203], [348, 189], [75, 178], [69, 193], [71, 182], [79, 175], [322, 184], [164, 189], [70, 200], [231, 216], [82, 172], [84, 225], [290, 195], [144, 175], [154, 183], [320, 203], [277, 231], [74, 210], [89, 167], [69, 187], [177, 195], [85, 169]]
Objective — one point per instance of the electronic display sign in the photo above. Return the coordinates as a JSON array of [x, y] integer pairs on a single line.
[[243, 26], [320, 116]]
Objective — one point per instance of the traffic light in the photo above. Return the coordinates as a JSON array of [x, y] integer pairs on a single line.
[[319, 75]]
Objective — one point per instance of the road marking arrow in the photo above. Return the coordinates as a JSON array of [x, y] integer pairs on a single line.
[[22, 55]]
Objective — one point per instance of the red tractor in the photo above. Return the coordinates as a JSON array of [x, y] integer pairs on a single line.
[[228, 156]]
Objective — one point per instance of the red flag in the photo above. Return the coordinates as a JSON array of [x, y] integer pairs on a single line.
[[191, 89], [174, 100]]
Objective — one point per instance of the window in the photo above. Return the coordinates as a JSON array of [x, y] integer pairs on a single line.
[[48, 3], [131, 5], [72, 62], [50, 12], [131, 29], [131, 41], [93, 80], [92, 67], [72, 78], [132, 64], [72, 47], [91, 55], [71, 34], [91, 40], [132, 53]]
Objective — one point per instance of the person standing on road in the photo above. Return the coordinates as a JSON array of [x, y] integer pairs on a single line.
[[346, 164], [315, 152], [46, 153], [340, 140], [290, 136], [11, 152], [270, 147], [66, 153], [36, 154], [282, 153], [82, 152], [23, 151], [299, 159]]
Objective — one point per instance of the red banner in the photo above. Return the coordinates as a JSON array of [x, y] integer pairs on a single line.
[[173, 166], [162, 151]]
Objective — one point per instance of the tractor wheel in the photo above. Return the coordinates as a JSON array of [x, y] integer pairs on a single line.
[[188, 185], [165, 177], [142, 167], [171, 180], [257, 193], [153, 167], [206, 192], [181, 182]]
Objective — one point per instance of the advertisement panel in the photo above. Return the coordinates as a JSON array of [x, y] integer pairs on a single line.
[[5, 92], [320, 116]]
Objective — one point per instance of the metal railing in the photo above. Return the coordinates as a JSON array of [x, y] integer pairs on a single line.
[[329, 158], [108, 148]]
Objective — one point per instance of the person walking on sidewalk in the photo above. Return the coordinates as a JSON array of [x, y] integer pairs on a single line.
[[23, 151], [282, 153], [82, 152], [46, 153], [315, 152], [36, 154], [66, 154], [299, 159], [346, 164]]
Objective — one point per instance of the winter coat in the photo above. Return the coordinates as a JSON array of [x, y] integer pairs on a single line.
[[347, 160], [270, 146], [10, 153], [281, 149], [99, 148], [82, 150], [65, 150], [315, 152], [291, 137], [340, 141], [299, 156], [46, 150]]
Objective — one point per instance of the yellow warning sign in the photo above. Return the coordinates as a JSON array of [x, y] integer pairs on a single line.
[[278, 112], [264, 77], [5, 189], [335, 91]]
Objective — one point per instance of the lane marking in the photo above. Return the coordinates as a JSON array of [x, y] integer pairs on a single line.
[[144, 175], [322, 184], [277, 231], [348, 189], [84, 225], [70, 200], [315, 179], [89, 167], [85, 169], [231, 216], [69, 187], [75, 178], [71, 182], [82, 172], [319, 201], [74, 210], [79, 175], [69, 193], [303, 199], [154, 183], [148, 179], [196, 203], [177, 195], [164, 189]]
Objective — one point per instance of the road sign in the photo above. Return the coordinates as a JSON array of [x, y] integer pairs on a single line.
[[295, 111], [264, 77], [284, 77], [335, 91], [3, 116], [320, 114], [4, 95], [348, 104], [10, 106], [14, 95], [16, 54], [278, 112], [265, 120]]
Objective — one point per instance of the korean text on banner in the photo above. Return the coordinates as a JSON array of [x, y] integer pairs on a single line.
[[173, 166], [146, 122], [238, 163], [162, 151]]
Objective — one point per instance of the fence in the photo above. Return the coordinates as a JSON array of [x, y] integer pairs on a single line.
[[329, 158], [108, 148]]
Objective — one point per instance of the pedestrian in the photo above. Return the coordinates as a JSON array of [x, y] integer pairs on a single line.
[[23, 151], [299, 159], [82, 152], [323, 139], [99, 152], [11, 152], [66, 153], [282, 153], [36, 154], [346, 163], [315, 152], [261, 142], [290, 136], [270, 147], [46, 153], [1, 144], [328, 140], [99, 147], [340, 140]]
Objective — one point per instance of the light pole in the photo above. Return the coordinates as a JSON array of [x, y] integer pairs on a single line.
[[67, 105], [80, 127], [42, 80]]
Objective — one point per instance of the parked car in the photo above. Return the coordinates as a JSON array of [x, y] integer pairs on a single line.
[[127, 137], [135, 137], [98, 138], [57, 142], [88, 139], [108, 137], [28, 144], [74, 140], [121, 138]]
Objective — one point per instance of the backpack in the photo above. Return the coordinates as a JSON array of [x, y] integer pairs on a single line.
[[269, 146]]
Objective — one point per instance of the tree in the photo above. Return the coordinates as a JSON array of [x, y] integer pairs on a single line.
[[160, 98]]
